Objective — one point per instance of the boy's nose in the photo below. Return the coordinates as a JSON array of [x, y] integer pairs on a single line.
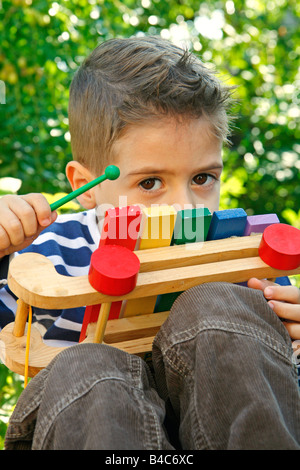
[[183, 199]]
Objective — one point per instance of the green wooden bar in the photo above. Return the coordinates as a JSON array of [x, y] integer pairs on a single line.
[[191, 226]]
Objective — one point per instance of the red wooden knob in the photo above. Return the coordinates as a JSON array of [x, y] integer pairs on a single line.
[[113, 270], [280, 247]]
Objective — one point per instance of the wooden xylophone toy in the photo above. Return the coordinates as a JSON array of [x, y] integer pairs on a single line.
[[145, 259]]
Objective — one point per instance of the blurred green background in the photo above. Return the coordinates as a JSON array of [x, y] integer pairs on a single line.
[[254, 45]]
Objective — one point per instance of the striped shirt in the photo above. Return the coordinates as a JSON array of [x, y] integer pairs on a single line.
[[68, 243]]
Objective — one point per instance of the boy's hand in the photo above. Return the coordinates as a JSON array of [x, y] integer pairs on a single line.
[[22, 218], [285, 302]]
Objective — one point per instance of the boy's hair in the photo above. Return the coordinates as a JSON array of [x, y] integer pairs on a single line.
[[130, 81]]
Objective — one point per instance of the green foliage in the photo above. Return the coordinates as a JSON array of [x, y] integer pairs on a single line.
[[252, 43], [11, 386]]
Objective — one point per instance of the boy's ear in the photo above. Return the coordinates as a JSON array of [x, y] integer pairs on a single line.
[[78, 176]]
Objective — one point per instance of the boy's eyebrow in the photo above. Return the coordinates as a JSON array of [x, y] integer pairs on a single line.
[[150, 170], [155, 171]]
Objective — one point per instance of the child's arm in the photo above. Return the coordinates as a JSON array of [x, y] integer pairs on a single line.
[[284, 300], [22, 218]]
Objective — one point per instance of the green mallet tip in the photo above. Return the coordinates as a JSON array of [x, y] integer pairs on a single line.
[[112, 172]]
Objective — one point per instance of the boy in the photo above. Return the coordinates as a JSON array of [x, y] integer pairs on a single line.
[[160, 116]]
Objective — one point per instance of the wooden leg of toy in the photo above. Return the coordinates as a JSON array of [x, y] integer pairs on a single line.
[[21, 319], [90, 316], [101, 322], [26, 369]]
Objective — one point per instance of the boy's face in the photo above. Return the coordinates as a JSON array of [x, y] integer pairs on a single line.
[[165, 162]]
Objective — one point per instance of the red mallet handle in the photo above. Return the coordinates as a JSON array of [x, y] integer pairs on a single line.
[[113, 270], [280, 247]]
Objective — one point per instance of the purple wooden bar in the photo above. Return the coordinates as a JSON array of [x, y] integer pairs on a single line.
[[258, 223]]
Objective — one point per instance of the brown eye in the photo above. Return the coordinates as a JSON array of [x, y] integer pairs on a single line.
[[200, 179], [150, 183]]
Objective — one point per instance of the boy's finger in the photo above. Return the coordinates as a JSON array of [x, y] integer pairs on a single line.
[[22, 219], [286, 310], [24, 212], [12, 225], [293, 329], [41, 207], [259, 284], [4, 239], [272, 290], [289, 294]]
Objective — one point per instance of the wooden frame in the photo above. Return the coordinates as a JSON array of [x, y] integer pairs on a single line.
[[34, 280]]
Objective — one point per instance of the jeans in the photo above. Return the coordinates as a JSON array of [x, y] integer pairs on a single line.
[[222, 378]]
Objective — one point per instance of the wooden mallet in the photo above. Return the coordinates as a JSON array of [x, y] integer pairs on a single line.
[[112, 172]]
